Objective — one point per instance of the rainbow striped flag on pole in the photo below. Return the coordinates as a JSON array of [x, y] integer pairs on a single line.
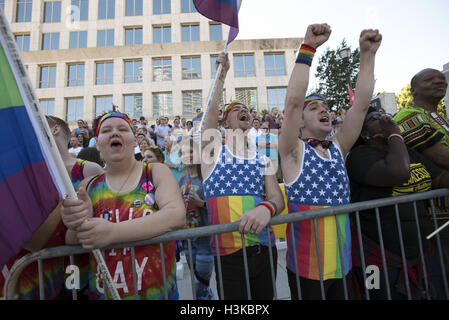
[[225, 11], [30, 181]]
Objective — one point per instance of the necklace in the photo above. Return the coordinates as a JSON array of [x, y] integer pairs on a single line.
[[129, 175]]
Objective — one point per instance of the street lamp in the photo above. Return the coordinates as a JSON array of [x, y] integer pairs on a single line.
[[344, 54]]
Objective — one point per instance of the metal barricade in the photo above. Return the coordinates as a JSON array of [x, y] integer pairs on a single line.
[[314, 215]]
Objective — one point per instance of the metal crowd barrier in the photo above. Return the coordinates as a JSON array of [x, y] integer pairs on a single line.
[[188, 234]]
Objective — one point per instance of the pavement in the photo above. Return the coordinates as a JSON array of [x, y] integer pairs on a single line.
[[185, 283]]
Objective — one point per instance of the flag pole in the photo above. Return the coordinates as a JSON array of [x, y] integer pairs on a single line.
[[39, 121], [215, 83]]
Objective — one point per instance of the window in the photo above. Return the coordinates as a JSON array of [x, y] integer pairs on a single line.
[[133, 105], [104, 73], [75, 108], [23, 42], [162, 70], [215, 32], [162, 104], [80, 10], [276, 98], [274, 64], [103, 105], [134, 8], [133, 71], [191, 100], [47, 77], [133, 36], [50, 41], [248, 96], [23, 10], [213, 68], [105, 38], [161, 7], [162, 34], [106, 9], [244, 65], [2, 4], [187, 6], [47, 106], [190, 33], [191, 68], [78, 39], [52, 11], [75, 75]]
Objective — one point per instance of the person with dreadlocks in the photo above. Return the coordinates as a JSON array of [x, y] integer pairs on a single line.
[[131, 201], [314, 170], [238, 187]]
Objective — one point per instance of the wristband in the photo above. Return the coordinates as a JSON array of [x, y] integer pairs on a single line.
[[395, 135], [221, 79], [270, 205], [306, 54]]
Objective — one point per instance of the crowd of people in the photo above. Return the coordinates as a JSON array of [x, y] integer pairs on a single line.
[[136, 181]]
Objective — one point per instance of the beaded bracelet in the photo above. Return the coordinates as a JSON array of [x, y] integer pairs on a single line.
[[306, 54], [270, 205], [395, 135]]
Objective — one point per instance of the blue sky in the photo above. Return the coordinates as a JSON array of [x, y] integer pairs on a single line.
[[415, 33]]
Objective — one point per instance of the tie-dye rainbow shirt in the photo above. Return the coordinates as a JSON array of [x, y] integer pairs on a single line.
[[52, 269], [321, 183], [123, 207], [235, 186]]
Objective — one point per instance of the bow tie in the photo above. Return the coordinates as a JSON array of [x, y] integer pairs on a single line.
[[326, 144]]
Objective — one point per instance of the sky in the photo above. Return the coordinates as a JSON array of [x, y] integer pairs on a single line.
[[415, 33]]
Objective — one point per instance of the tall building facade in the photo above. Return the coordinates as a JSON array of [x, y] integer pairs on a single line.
[[148, 57]]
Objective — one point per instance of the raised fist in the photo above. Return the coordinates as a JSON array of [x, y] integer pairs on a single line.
[[317, 34], [370, 41], [223, 59]]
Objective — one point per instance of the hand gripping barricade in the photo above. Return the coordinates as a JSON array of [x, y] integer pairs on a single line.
[[353, 209]]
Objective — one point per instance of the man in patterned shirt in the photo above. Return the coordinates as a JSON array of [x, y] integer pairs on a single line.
[[422, 127], [314, 171], [238, 188]]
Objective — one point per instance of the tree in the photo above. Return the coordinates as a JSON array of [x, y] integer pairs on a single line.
[[405, 99], [331, 72]]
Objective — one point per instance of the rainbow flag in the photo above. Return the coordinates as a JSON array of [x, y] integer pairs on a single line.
[[225, 11], [28, 192]]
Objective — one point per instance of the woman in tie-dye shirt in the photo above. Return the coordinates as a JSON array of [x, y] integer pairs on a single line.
[[132, 201]]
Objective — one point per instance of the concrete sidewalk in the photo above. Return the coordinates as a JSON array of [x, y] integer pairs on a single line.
[[185, 284]]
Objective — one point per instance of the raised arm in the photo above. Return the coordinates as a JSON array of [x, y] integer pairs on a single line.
[[316, 35], [213, 108], [370, 41]]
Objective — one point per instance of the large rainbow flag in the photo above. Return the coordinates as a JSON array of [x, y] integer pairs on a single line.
[[225, 11], [30, 183]]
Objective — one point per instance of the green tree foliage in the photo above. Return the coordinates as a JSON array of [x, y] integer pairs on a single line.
[[331, 72], [405, 99]]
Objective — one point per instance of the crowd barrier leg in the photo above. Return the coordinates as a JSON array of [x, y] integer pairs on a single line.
[[220, 274], [342, 264], [382, 250], [133, 265], [245, 266], [295, 256], [404, 260], [273, 274], [421, 251], [192, 268], [362, 254], [440, 251], [318, 254]]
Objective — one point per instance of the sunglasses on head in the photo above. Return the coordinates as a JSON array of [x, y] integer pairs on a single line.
[[374, 116]]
